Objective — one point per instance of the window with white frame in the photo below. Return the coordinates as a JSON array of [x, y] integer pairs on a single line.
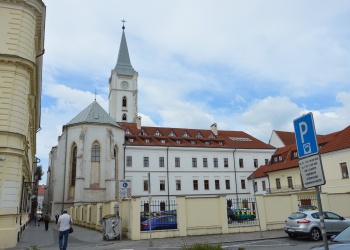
[[344, 170], [177, 162], [241, 165], [243, 184], [216, 164], [217, 184], [278, 183], [145, 162], [178, 184], [145, 185], [195, 184], [129, 161], [206, 184], [205, 162], [263, 185], [226, 162], [162, 185], [227, 184], [161, 162], [194, 162], [256, 163]]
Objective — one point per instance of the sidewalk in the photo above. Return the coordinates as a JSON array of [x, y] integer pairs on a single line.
[[86, 238]]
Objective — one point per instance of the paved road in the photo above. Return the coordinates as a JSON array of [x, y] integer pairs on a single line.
[[91, 239]]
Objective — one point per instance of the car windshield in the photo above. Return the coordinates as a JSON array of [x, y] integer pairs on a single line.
[[344, 236], [296, 216]]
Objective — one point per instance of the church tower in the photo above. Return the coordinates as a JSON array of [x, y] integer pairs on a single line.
[[123, 87]]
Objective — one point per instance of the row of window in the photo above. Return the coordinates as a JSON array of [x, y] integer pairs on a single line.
[[172, 134], [194, 162], [195, 185]]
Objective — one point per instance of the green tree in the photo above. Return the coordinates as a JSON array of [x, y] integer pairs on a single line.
[[39, 172]]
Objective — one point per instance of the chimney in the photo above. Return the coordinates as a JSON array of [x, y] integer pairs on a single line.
[[138, 122], [214, 129]]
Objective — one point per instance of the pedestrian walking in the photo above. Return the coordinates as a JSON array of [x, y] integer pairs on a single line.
[[64, 223], [47, 220], [39, 219], [56, 217]]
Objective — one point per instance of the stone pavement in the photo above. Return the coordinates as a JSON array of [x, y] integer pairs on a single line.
[[91, 239]]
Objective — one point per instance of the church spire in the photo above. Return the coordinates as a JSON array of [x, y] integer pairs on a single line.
[[124, 66]]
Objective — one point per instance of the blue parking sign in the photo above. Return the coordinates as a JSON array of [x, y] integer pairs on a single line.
[[305, 135]]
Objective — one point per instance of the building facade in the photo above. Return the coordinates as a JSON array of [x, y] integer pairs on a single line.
[[97, 150], [21, 52]]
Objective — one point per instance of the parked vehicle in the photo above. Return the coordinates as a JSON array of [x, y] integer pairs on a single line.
[[167, 212], [159, 223], [307, 223], [243, 214], [339, 242], [307, 207]]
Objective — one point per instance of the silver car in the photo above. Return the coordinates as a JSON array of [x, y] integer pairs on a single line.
[[307, 223]]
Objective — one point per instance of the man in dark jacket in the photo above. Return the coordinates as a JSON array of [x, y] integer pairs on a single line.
[[47, 220]]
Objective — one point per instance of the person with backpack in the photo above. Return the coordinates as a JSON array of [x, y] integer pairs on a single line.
[[46, 220]]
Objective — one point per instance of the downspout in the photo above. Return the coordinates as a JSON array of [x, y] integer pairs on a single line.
[[234, 170], [124, 158], [167, 174], [65, 169]]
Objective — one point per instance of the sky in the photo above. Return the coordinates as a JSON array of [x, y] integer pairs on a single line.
[[251, 66]]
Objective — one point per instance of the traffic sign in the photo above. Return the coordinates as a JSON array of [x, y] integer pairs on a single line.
[[312, 171], [125, 189], [305, 135]]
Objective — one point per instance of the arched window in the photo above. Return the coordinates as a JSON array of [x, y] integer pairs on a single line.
[[124, 102], [124, 117], [95, 153], [74, 165]]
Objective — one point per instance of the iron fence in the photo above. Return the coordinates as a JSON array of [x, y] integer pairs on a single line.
[[158, 215], [307, 203], [241, 211]]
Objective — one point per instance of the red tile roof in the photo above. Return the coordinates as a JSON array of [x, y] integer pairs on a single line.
[[327, 143], [286, 137], [195, 138]]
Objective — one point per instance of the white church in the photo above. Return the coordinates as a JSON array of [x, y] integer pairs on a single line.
[[98, 149]]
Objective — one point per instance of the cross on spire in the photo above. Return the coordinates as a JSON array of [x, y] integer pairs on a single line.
[[123, 21]]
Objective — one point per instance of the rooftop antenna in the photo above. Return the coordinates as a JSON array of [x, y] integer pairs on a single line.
[[123, 21], [95, 94]]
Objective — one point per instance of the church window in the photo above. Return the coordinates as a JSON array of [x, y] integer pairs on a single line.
[[74, 165], [124, 102], [124, 117], [95, 153]]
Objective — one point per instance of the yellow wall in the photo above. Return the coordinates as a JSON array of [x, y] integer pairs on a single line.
[[21, 37]]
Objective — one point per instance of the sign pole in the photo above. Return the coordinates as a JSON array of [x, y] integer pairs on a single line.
[[320, 209]]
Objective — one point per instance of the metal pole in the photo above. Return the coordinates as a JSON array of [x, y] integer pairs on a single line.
[[257, 211], [324, 234], [149, 205]]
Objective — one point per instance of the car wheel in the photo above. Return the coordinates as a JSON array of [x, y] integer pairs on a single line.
[[292, 236], [315, 234]]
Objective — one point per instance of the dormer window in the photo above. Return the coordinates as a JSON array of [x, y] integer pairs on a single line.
[[207, 142], [221, 143], [143, 132], [199, 135], [211, 136], [193, 142], [147, 140], [185, 135], [275, 159], [172, 134], [157, 133], [128, 132], [280, 158], [295, 154], [162, 141], [178, 142], [131, 140]]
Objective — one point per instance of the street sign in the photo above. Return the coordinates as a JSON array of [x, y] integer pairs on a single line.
[[125, 189], [305, 135], [312, 171]]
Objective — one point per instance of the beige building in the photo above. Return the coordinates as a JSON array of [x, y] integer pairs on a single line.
[[283, 172], [21, 55]]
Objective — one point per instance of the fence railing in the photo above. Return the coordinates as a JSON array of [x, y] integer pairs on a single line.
[[158, 215], [241, 211]]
